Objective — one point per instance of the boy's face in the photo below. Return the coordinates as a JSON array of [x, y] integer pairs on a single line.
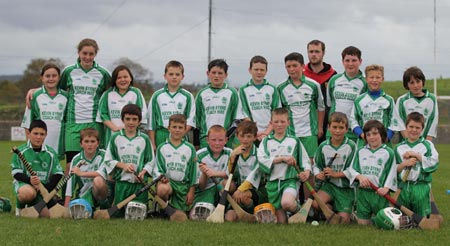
[[174, 76], [351, 64], [315, 54], [50, 78], [177, 130], [415, 86], [216, 76], [373, 138], [37, 137], [246, 139], [258, 72], [374, 80], [338, 130], [89, 144], [216, 141], [131, 122], [294, 69], [280, 123], [414, 130], [123, 80]]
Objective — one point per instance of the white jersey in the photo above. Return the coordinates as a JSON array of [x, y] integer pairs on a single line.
[[270, 148], [259, 102], [368, 108], [303, 102], [378, 165], [427, 106], [342, 91], [220, 164], [422, 171], [51, 110], [137, 151], [248, 168], [164, 104]]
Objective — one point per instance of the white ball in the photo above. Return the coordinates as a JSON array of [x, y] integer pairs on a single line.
[[314, 223]]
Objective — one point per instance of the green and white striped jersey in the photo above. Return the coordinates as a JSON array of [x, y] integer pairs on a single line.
[[112, 102], [177, 163], [427, 106], [164, 104], [85, 88], [216, 107], [378, 165], [78, 186], [45, 163], [220, 164], [303, 102], [368, 108], [422, 171], [248, 169], [342, 91], [51, 110], [270, 148], [341, 163], [136, 150], [259, 102]]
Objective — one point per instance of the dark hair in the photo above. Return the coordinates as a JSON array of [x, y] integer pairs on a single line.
[[131, 109], [177, 118], [37, 124], [174, 63], [88, 42], [49, 66], [280, 111], [115, 74], [221, 63], [258, 59], [416, 117], [338, 117], [414, 72], [247, 127], [316, 42], [375, 124], [352, 51], [89, 132], [295, 56]]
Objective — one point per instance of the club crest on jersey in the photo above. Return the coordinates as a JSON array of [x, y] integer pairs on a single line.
[[138, 150], [289, 149], [355, 89], [267, 96], [60, 106], [183, 158], [44, 164], [94, 81], [224, 100], [379, 162], [426, 112], [179, 106]]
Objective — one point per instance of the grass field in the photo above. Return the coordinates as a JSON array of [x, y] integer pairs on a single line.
[[17, 231]]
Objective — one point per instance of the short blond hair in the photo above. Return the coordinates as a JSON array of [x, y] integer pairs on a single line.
[[374, 67]]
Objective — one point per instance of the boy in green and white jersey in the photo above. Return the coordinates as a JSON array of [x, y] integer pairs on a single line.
[[419, 100], [303, 98], [216, 104], [43, 160], [49, 105], [374, 162], [277, 155], [128, 152], [121, 93], [176, 159], [375, 104], [345, 87], [167, 101], [420, 156], [258, 97], [88, 180]]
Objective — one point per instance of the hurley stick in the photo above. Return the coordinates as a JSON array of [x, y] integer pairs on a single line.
[[174, 214]]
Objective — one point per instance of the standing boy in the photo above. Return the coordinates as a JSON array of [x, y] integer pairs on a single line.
[[43, 160], [216, 104], [343, 88], [167, 101], [375, 104], [419, 100], [258, 97], [421, 158], [374, 163], [332, 160], [176, 159], [278, 153], [128, 152]]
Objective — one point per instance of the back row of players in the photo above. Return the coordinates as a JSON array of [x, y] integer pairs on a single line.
[[218, 104]]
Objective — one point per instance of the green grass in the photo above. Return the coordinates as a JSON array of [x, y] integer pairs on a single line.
[[17, 231]]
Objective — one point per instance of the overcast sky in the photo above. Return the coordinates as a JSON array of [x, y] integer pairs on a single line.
[[396, 34]]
